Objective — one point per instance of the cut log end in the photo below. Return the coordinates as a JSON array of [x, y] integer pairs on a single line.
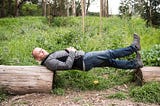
[[147, 74]]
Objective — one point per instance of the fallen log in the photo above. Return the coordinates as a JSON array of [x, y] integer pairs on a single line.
[[147, 74], [25, 79]]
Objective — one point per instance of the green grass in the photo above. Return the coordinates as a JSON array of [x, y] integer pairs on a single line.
[[18, 36], [3, 96], [118, 95], [150, 92], [58, 91], [79, 80]]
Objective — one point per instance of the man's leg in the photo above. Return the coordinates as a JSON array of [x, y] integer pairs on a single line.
[[124, 64], [117, 53], [92, 59], [101, 58]]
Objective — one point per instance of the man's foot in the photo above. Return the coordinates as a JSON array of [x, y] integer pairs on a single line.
[[136, 42], [139, 60]]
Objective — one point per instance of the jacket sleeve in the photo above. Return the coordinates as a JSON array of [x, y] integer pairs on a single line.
[[55, 64]]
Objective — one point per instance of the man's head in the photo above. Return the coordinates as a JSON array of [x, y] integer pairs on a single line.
[[39, 54]]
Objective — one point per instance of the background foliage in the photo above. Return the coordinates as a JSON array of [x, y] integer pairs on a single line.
[[147, 9], [18, 36]]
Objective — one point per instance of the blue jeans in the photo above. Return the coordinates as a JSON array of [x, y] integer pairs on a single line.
[[109, 58]]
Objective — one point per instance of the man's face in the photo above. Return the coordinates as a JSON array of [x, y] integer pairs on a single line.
[[38, 54]]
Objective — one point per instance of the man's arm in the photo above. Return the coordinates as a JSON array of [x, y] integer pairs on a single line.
[[55, 64]]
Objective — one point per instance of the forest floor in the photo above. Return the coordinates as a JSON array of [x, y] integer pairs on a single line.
[[73, 98]]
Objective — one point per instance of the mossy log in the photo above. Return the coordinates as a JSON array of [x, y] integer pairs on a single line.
[[25, 79], [147, 74]]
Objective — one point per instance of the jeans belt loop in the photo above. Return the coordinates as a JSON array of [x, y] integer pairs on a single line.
[[83, 66]]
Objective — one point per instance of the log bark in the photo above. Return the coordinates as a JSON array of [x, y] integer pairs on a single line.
[[25, 79], [147, 74]]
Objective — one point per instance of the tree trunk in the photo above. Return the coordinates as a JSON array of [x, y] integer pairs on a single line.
[[67, 5], [9, 7], [147, 74], [101, 10], [2, 8], [60, 8], [83, 14], [16, 8], [150, 13], [104, 8], [44, 8], [54, 11], [107, 7], [49, 13], [25, 79], [87, 7], [84, 6], [74, 8]]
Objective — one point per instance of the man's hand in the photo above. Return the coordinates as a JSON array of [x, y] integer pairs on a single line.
[[71, 49]]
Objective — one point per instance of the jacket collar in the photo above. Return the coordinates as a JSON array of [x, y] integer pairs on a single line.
[[42, 63]]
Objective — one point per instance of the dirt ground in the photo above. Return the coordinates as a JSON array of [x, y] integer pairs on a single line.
[[72, 98]]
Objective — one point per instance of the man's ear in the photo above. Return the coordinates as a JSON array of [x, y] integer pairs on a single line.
[[42, 51]]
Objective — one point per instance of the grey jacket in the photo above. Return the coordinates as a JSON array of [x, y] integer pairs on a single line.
[[62, 60]]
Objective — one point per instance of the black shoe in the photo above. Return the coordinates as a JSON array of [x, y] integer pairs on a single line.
[[139, 60], [136, 42]]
